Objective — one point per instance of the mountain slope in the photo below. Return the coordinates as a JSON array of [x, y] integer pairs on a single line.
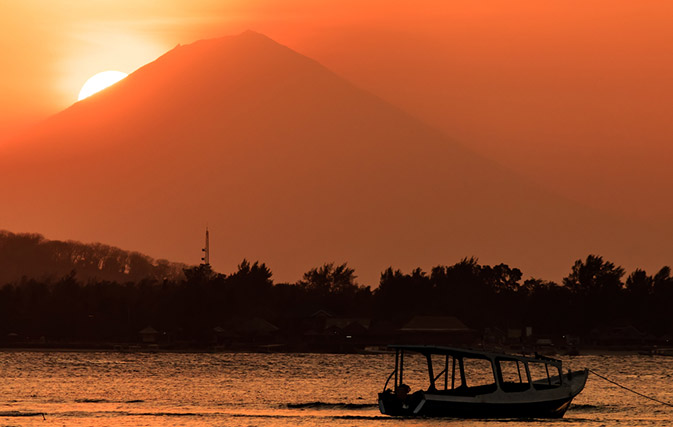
[[289, 164]]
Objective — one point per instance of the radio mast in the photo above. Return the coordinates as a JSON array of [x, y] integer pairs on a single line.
[[206, 251]]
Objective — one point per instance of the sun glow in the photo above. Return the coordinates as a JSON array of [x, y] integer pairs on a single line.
[[99, 82]]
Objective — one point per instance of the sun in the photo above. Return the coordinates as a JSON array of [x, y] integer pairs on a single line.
[[99, 82]]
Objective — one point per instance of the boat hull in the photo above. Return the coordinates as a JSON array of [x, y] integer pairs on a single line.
[[430, 408]]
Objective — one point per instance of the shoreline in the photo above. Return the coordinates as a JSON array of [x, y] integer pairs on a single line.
[[589, 351]]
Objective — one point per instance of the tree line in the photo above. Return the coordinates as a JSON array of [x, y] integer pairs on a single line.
[[595, 294], [30, 254]]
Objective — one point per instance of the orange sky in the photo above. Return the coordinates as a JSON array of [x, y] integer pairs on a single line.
[[564, 91], [574, 95]]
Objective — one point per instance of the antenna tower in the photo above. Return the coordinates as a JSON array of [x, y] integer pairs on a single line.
[[206, 250]]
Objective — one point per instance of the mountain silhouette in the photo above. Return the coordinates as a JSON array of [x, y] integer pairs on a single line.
[[290, 164]]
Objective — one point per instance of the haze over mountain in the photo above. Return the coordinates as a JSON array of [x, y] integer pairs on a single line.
[[290, 164]]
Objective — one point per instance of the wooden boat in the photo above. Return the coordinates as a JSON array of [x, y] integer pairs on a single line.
[[478, 384]]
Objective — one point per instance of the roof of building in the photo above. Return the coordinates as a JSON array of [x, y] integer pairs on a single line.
[[343, 322], [148, 330]]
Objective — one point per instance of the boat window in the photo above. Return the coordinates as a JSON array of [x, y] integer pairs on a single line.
[[544, 375], [512, 375], [478, 372], [415, 371], [442, 371]]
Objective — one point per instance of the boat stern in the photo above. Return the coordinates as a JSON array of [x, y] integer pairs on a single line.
[[389, 404]]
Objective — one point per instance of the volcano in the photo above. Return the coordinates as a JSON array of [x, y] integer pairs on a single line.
[[289, 164]]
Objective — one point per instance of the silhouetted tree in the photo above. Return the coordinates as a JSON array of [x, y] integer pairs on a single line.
[[594, 277], [662, 283], [329, 279], [462, 291], [400, 296], [662, 299], [501, 278], [199, 274], [549, 307], [258, 274], [597, 290], [639, 285], [334, 287], [249, 289]]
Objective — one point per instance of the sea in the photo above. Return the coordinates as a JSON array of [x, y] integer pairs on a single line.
[[255, 389]]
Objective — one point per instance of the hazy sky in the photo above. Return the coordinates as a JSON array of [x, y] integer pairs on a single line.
[[574, 95]]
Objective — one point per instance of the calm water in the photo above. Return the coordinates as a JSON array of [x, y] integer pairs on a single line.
[[138, 389]]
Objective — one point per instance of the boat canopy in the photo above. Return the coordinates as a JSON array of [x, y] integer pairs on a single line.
[[427, 350]]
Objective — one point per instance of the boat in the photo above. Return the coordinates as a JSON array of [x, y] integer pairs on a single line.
[[464, 383]]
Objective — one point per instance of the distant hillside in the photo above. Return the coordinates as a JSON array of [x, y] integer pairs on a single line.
[[33, 256]]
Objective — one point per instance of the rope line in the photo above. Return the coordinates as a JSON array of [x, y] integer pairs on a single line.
[[629, 389]]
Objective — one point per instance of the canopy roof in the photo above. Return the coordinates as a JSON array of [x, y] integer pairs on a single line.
[[478, 354]]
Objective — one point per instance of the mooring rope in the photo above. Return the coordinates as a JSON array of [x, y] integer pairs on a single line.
[[629, 389]]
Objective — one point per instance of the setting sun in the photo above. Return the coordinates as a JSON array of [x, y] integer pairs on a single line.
[[99, 82]]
